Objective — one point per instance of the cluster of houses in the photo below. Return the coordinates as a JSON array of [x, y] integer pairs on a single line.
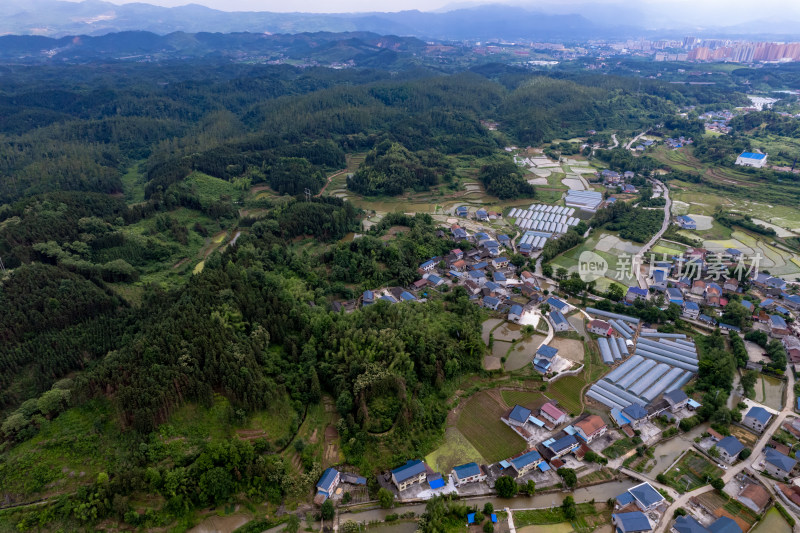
[[717, 121], [614, 179], [481, 215], [679, 142]]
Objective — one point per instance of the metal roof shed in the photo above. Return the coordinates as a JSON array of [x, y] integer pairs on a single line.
[[617, 374], [634, 376]]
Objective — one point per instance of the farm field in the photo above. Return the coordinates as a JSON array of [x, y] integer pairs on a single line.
[[567, 391], [527, 399], [480, 423], [455, 450], [692, 471], [773, 522], [721, 506], [609, 247]]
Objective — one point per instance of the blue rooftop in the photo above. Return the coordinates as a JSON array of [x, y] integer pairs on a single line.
[[674, 294], [546, 351], [751, 155], [624, 499], [427, 264], [684, 218], [389, 298], [516, 309], [558, 318], [436, 482], [563, 443], [724, 524], [407, 296], [526, 459], [410, 469], [555, 302], [659, 276], [476, 274], [774, 457], [637, 291], [731, 445], [500, 260], [691, 306], [490, 301], [646, 494], [325, 483], [471, 518], [747, 304], [767, 302], [499, 276], [480, 265], [467, 470], [630, 522], [759, 413], [687, 524], [519, 414], [635, 412], [777, 321], [434, 279]]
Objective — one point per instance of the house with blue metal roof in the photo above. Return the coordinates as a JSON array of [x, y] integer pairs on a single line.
[[519, 415], [468, 473], [560, 322], [757, 418], [747, 304], [327, 483], [750, 159], [564, 445], [526, 462], [459, 234], [499, 277], [500, 262], [435, 280], [505, 240], [389, 298], [729, 327], [792, 300], [546, 351], [414, 471], [707, 319], [515, 313], [724, 524], [367, 298], [557, 304], [462, 211], [635, 293], [407, 297], [778, 327], [635, 413], [729, 448], [691, 310], [633, 522], [675, 296], [427, 265], [659, 279], [542, 366], [646, 497], [686, 222], [688, 524], [782, 310], [482, 215], [777, 464], [490, 302]]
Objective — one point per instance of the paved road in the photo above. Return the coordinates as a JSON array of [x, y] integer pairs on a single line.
[[755, 458], [628, 146], [640, 276]]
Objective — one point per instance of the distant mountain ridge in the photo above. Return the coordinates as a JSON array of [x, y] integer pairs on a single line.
[[58, 18]]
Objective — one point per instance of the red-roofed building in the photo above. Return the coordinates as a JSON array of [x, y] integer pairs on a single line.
[[553, 414], [600, 327]]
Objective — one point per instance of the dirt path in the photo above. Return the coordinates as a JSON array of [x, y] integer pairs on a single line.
[[330, 179]]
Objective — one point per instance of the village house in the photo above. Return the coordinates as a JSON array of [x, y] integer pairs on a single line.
[[552, 414], [778, 327], [515, 313], [462, 211], [414, 471], [600, 327], [519, 415], [482, 215], [526, 462], [677, 399], [468, 473], [590, 428], [675, 296], [688, 524], [633, 522], [731, 285], [691, 310], [777, 464], [367, 298], [327, 484], [490, 302], [636, 414], [729, 448], [500, 262], [564, 445], [757, 418], [713, 294], [635, 293], [686, 222], [698, 287], [643, 495], [544, 357], [792, 346], [754, 497], [560, 322]]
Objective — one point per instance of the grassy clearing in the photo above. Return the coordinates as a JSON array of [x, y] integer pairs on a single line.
[[480, 423], [210, 189], [619, 448], [133, 182], [773, 522], [692, 471], [455, 450]]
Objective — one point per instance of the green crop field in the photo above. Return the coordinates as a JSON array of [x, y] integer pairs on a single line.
[[567, 391], [480, 423], [210, 189], [692, 471], [523, 398], [455, 450]]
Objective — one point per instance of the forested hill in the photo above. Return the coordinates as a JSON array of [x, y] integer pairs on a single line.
[[364, 49], [126, 303]]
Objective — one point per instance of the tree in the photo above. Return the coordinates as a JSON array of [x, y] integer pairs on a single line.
[[327, 511], [488, 527], [488, 508], [386, 498], [718, 483], [714, 452], [478, 517], [530, 487], [615, 292], [569, 508], [506, 487], [744, 454], [293, 524], [568, 475]]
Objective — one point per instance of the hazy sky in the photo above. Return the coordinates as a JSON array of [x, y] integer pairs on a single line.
[[701, 12]]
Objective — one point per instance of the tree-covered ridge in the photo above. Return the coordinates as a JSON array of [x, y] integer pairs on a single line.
[[390, 169], [505, 180]]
